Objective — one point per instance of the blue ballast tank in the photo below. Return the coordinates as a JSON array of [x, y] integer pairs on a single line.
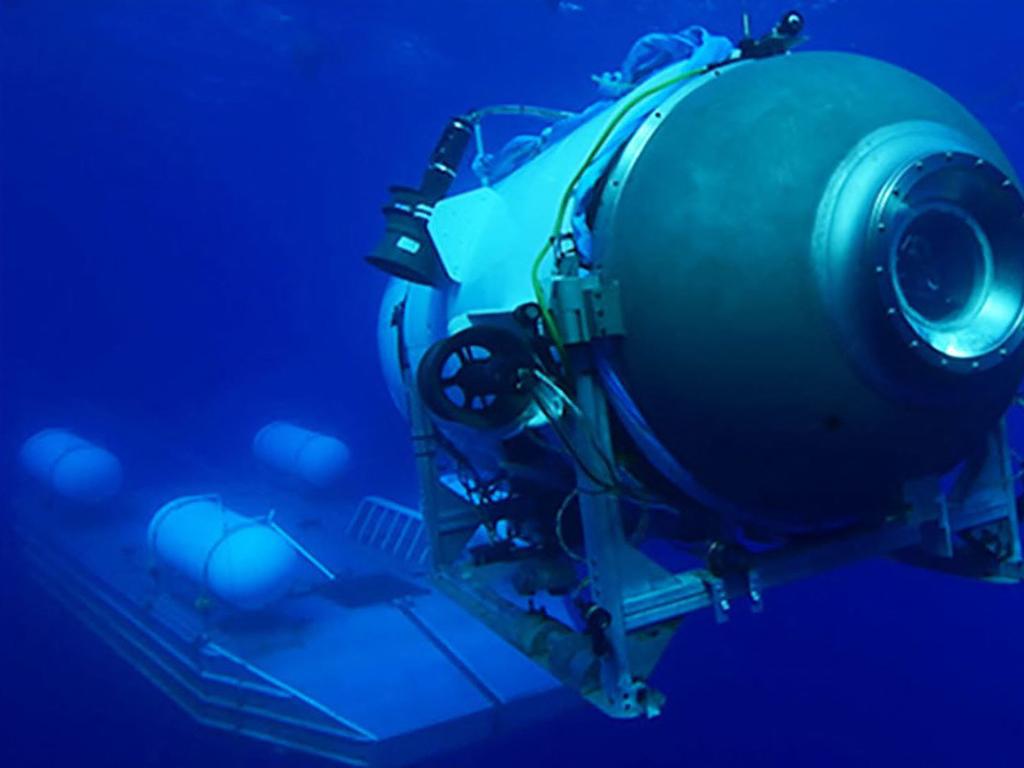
[[319, 460], [71, 467], [241, 561]]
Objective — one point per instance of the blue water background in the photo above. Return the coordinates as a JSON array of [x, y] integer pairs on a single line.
[[187, 191]]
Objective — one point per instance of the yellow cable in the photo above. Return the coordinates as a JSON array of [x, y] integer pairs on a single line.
[[538, 261]]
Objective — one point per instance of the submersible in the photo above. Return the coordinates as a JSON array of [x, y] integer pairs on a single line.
[[753, 315], [766, 303]]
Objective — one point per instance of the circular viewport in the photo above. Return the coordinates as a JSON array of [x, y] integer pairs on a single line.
[[944, 279]]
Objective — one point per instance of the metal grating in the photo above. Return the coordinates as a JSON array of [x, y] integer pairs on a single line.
[[390, 528]]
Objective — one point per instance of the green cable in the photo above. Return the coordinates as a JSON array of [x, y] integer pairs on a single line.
[[538, 261]]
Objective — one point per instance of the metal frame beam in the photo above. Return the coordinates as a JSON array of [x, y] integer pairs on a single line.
[[636, 604]]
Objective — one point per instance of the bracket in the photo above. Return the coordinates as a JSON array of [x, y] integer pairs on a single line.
[[586, 308], [985, 491]]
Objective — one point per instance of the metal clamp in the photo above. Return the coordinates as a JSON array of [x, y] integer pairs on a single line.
[[587, 308], [719, 598]]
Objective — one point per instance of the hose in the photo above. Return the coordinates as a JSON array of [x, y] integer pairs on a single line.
[[616, 120]]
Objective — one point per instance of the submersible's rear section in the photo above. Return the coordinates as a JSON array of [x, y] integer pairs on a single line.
[[821, 262], [758, 296]]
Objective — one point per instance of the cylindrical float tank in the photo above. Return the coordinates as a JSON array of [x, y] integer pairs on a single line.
[[318, 459], [240, 560], [72, 467], [821, 262]]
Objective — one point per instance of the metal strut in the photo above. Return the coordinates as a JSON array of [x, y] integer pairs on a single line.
[[635, 605], [587, 309], [450, 522], [605, 542]]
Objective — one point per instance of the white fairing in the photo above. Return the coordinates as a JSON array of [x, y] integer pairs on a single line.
[[319, 460], [488, 239], [387, 340], [411, 319], [239, 560], [72, 467]]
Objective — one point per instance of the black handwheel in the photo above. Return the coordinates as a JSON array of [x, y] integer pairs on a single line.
[[472, 377]]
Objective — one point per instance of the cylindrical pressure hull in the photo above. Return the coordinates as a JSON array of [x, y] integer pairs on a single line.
[[241, 561], [756, 357], [72, 467]]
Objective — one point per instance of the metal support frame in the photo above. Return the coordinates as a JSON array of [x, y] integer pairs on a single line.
[[986, 491], [636, 605], [587, 308], [605, 543], [929, 534], [449, 520]]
